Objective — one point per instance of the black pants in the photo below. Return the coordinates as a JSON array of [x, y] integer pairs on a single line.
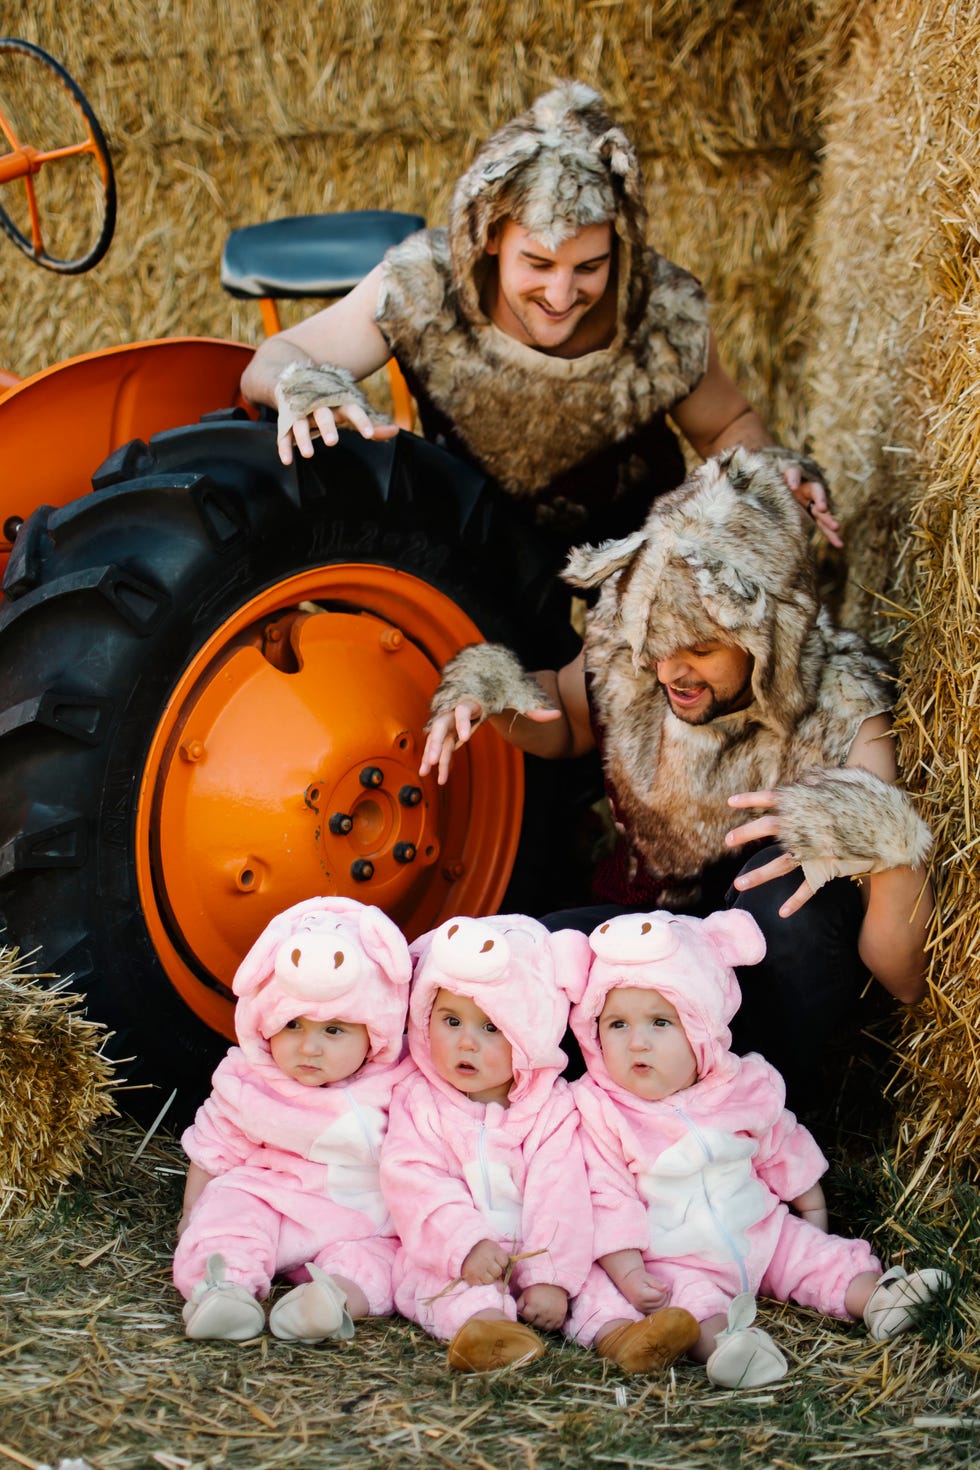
[[801, 1002]]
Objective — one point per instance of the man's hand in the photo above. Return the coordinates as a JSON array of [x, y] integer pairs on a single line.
[[485, 1264], [298, 428], [812, 495], [543, 1306], [767, 826], [449, 731]]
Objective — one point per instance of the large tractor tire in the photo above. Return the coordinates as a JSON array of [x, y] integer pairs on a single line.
[[216, 671]]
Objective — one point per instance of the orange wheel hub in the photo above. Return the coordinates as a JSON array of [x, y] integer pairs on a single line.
[[286, 766]]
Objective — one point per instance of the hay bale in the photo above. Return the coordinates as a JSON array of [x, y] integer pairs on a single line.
[[219, 119], [55, 1084], [893, 415]]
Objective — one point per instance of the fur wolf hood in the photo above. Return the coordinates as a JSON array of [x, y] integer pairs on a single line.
[[724, 557], [557, 168]]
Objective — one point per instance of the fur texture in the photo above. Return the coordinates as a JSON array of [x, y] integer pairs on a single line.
[[557, 168], [493, 676], [560, 166], [845, 822], [726, 556], [302, 389]]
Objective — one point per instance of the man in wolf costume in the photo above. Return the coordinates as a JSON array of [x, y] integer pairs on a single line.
[[712, 681], [543, 339]]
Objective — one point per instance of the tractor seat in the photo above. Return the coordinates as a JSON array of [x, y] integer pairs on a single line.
[[311, 254]]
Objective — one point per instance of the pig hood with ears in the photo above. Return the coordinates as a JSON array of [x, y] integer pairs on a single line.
[[557, 168], [325, 958], [689, 962], [520, 975]]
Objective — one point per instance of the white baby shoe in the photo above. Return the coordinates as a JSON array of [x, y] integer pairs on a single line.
[[744, 1356], [313, 1311], [222, 1309], [898, 1298]]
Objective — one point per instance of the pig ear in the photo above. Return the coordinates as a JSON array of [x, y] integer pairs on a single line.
[[572, 954], [257, 966], [385, 943], [736, 936]]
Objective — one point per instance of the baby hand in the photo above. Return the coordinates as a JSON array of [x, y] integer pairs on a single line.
[[486, 1263], [543, 1306], [643, 1291]]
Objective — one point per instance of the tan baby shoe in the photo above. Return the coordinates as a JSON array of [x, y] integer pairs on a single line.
[[481, 1345], [650, 1346]]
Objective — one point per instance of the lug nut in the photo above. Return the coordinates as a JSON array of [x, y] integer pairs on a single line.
[[410, 795], [372, 776], [340, 824], [361, 870], [404, 852]]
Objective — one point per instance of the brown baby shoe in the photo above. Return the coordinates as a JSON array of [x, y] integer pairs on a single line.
[[652, 1345], [483, 1344]]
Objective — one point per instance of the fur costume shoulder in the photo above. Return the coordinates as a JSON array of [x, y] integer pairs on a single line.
[[477, 374]]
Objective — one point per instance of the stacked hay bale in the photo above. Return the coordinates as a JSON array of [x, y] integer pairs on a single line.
[[894, 383], [221, 118], [55, 1085]]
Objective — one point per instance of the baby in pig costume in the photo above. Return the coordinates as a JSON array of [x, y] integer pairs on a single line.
[[284, 1152], [482, 1162], [691, 1155]]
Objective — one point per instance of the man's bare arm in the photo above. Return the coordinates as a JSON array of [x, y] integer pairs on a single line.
[[344, 335], [717, 416]]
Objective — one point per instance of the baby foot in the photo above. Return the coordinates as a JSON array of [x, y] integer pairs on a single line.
[[220, 1309], [899, 1298], [651, 1345], [313, 1311], [744, 1356], [482, 1344]]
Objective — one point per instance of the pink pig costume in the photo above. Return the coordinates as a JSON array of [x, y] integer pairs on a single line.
[[697, 1181], [456, 1171], [297, 1167]]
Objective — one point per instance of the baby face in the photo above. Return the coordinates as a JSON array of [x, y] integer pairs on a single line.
[[643, 1044], [318, 1052], [468, 1051]]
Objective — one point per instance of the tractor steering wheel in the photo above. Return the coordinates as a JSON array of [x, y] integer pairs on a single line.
[[43, 128]]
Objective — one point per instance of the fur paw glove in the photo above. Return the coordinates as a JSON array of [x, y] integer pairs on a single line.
[[808, 467], [491, 675], [842, 822], [303, 389]]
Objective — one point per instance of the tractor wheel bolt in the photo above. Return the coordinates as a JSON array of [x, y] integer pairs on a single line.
[[410, 795], [340, 824], [404, 852], [372, 776], [361, 870]]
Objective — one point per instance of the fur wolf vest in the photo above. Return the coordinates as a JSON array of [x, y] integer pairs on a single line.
[[581, 441], [724, 557]]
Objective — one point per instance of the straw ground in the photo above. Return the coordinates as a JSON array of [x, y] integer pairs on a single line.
[[94, 1366]]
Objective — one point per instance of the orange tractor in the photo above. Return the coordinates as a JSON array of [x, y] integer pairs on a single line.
[[216, 669]]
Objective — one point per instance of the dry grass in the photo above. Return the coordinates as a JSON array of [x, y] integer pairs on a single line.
[[95, 1367]]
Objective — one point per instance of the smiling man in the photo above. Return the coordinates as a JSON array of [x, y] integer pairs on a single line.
[[544, 340], [715, 685]]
